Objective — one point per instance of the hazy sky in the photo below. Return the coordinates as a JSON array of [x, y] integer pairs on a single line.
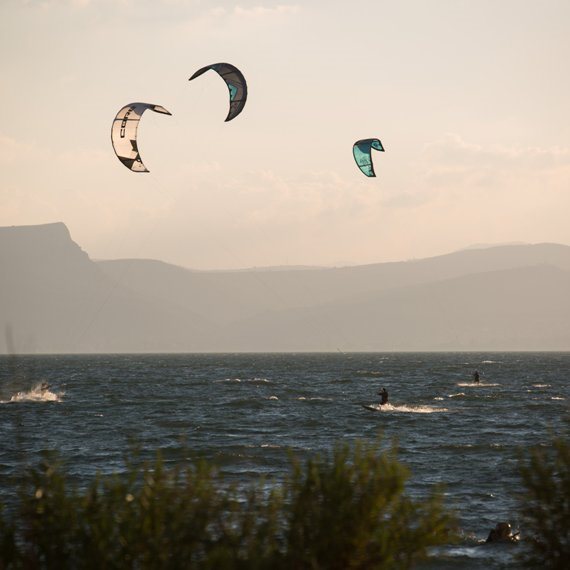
[[470, 99]]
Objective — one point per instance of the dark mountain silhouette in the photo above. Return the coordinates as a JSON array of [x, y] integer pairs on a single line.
[[53, 298]]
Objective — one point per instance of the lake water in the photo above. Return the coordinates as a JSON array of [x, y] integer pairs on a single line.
[[247, 412]]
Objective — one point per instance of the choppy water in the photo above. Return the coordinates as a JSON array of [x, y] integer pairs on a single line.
[[246, 412]]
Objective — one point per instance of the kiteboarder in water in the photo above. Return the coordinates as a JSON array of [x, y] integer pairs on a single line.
[[502, 533], [476, 377], [384, 395]]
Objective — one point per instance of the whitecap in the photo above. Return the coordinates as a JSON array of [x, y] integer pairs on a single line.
[[472, 384], [405, 409], [252, 380], [36, 394], [314, 398]]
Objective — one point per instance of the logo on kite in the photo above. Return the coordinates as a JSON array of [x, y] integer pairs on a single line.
[[236, 85], [362, 151], [124, 134]]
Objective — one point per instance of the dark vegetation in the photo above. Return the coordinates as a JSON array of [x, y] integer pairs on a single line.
[[345, 511], [545, 505]]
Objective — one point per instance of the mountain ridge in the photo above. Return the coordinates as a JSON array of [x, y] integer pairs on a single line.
[[54, 298]]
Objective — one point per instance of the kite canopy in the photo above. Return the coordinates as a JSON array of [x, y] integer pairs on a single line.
[[236, 84], [362, 151], [124, 134]]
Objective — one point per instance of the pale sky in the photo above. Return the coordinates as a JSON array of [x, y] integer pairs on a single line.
[[471, 100]]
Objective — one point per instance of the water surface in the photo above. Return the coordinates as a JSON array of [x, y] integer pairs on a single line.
[[247, 412]]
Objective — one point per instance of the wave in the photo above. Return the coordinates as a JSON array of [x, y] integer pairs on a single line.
[[35, 394], [314, 398], [474, 384], [405, 409], [251, 380]]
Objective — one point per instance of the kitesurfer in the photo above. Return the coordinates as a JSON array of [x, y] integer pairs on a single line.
[[476, 377], [44, 387], [502, 533], [384, 396]]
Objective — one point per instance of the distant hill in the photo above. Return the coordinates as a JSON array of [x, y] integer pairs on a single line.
[[513, 309], [53, 298]]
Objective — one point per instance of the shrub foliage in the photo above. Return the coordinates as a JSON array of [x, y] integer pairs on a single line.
[[346, 510], [545, 505]]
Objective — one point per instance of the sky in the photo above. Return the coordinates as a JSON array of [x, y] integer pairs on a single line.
[[469, 98]]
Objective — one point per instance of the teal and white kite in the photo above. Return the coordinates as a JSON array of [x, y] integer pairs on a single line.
[[362, 151]]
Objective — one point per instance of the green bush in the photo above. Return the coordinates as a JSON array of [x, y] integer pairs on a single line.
[[344, 511], [545, 505], [351, 512]]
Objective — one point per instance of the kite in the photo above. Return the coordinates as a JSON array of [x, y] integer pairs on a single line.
[[124, 134], [362, 151], [236, 84]]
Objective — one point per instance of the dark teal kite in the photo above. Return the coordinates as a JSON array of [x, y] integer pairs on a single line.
[[362, 151], [236, 84]]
